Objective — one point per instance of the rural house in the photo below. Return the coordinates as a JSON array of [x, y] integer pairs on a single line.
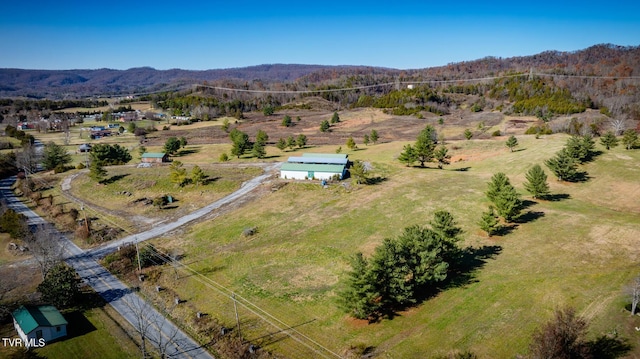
[[34, 323], [320, 166], [154, 157]]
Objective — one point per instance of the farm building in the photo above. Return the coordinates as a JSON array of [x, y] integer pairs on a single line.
[[154, 157], [39, 322], [311, 166]]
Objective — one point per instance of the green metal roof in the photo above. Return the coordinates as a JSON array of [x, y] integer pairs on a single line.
[[153, 155], [29, 318], [326, 155], [305, 167]]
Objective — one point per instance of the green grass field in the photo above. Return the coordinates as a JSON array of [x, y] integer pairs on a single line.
[[578, 251]]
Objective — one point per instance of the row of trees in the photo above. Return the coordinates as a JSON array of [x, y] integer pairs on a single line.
[[401, 269]]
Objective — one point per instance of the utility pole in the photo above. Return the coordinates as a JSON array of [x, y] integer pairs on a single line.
[[138, 254]]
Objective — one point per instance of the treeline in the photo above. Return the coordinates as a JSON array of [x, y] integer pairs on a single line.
[[51, 105]]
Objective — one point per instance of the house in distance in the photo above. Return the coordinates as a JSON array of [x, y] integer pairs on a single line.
[[315, 166], [153, 157], [38, 325]]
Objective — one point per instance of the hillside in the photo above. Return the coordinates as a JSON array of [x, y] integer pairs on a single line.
[[599, 60]]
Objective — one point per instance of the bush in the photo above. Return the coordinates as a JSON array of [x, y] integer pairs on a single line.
[[60, 168], [496, 133], [80, 166]]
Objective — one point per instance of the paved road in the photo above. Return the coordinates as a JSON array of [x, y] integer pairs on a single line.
[[129, 304]]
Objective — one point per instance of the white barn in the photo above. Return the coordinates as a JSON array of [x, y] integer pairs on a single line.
[[37, 323], [312, 166]]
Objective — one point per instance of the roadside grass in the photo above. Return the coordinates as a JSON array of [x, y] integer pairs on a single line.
[[92, 334], [578, 251], [154, 182]]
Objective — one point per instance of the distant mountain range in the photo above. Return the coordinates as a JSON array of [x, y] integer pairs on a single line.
[[598, 60]]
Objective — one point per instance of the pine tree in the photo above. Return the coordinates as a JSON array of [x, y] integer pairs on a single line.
[[504, 196], [324, 126], [489, 222], [335, 118], [281, 144], [408, 155], [286, 121], [301, 140], [197, 175], [258, 150], [609, 140], [291, 142], [351, 144], [630, 139], [262, 137], [359, 298], [358, 172], [512, 142], [442, 156], [374, 136], [468, 134], [366, 140], [97, 171], [537, 182], [178, 174], [563, 166]]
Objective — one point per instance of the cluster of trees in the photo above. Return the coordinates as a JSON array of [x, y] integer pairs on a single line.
[[401, 269], [178, 175], [106, 155], [424, 150], [55, 157], [241, 143], [174, 144], [578, 149], [291, 142], [24, 138]]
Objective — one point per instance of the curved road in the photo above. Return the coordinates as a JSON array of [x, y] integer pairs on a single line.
[[129, 304]]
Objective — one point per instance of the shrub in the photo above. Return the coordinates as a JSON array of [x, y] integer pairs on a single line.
[[80, 166], [495, 133]]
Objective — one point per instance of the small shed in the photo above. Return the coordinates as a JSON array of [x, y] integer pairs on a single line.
[[154, 157], [37, 323]]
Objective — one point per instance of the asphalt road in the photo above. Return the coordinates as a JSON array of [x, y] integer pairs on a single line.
[[125, 301]]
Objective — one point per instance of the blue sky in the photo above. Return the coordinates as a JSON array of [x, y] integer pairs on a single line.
[[201, 35]]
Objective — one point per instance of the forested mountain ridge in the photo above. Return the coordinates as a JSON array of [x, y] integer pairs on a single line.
[[600, 60]]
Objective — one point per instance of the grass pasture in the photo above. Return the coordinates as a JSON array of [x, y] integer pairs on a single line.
[[578, 250]]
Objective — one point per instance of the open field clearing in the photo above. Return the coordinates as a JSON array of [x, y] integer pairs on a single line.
[[579, 250]]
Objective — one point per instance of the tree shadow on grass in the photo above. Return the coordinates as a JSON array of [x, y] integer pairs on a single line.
[[462, 169], [462, 272], [556, 197], [505, 229], [210, 180], [376, 180], [527, 203], [113, 179], [609, 347], [189, 151], [529, 216]]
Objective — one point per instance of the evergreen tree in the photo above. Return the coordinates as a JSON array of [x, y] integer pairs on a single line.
[[512, 142], [442, 156], [97, 171], [468, 134], [262, 137], [359, 299], [291, 142], [178, 174], [358, 172], [563, 166], [374, 136], [240, 142], [54, 155], [258, 150], [425, 145], [324, 126], [60, 286], [301, 140], [183, 141], [537, 182], [580, 148], [172, 145], [504, 197], [286, 121], [223, 157], [489, 222], [335, 118], [408, 155], [630, 139], [197, 175], [351, 144], [366, 140], [281, 144], [609, 140]]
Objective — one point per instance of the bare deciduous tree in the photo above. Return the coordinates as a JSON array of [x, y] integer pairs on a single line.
[[634, 291], [46, 247], [618, 125]]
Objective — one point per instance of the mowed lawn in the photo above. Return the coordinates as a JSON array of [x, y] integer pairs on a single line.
[[579, 250]]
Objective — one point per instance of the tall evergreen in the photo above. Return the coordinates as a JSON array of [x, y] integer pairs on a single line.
[[609, 140], [563, 166], [489, 222], [512, 142], [537, 182], [504, 197]]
